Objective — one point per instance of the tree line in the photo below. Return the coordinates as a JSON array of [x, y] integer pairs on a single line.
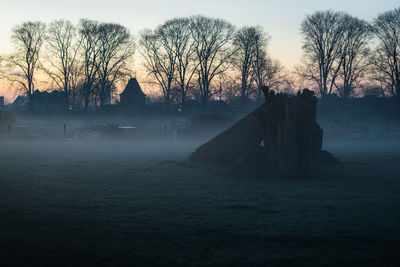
[[196, 56], [343, 53], [84, 63], [202, 58]]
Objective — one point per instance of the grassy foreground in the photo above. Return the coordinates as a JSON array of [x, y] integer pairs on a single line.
[[142, 204]]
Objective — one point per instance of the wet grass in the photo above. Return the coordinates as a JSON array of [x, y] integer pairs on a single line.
[[118, 203]]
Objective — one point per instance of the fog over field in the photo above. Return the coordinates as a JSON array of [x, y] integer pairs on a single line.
[[259, 133], [125, 202]]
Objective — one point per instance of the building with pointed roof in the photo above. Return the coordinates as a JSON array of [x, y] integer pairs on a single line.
[[132, 96]]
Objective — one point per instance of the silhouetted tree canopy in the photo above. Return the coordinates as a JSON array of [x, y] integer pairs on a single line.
[[386, 58], [202, 58], [213, 49], [62, 56], [116, 47], [353, 56], [323, 34], [159, 49], [250, 44], [28, 39]]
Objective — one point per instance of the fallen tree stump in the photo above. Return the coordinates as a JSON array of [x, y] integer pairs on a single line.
[[282, 135]]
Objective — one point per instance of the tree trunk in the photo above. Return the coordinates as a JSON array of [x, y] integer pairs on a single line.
[[282, 135]]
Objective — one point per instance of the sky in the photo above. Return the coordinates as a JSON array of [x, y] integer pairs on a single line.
[[280, 18]]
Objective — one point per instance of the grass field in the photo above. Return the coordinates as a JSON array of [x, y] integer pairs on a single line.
[[142, 204]]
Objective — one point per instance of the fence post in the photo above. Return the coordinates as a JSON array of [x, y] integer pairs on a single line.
[[65, 131]]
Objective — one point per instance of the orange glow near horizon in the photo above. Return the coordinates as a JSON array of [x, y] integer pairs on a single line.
[[280, 19]]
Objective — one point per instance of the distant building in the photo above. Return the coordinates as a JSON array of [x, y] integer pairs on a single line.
[[40, 101], [20, 103], [1, 103], [48, 101], [132, 96]]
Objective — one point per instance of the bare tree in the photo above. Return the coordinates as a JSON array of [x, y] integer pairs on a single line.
[[76, 85], [248, 42], [354, 55], [287, 85], [213, 49], [158, 49], [89, 34], [28, 40], [63, 47], [386, 58], [184, 50], [323, 40], [116, 47], [265, 71], [170, 57]]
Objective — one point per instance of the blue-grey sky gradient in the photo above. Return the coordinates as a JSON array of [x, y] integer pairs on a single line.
[[280, 18]]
